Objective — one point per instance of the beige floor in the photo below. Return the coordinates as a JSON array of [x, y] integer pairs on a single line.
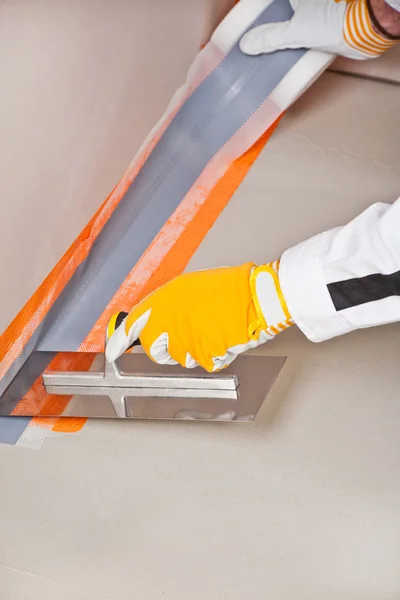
[[386, 67], [304, 504]]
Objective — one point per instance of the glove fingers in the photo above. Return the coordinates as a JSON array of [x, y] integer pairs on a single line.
[[268, 38], [158, 350], [221, 362], [124, 329], [190, 362], [121, 339], [162, 354]]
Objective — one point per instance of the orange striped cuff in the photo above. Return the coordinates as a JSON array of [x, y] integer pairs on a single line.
[[359, 32]]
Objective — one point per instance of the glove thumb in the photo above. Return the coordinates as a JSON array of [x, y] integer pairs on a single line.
[[119, 339], [268, 38]]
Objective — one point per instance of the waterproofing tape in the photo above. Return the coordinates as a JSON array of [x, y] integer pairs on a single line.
[[212, 114]]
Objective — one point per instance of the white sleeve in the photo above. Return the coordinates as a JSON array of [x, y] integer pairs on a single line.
[[346, 278], [394, 4]]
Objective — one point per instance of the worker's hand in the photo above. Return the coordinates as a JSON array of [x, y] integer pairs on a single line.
[[341, 27], [205, 318]]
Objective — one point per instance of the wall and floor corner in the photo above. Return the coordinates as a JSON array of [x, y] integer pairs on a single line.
[[302, 504], [208, 138]]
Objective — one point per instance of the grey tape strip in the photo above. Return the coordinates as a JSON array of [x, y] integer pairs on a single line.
[[208, 119], [33, 367], [11, 429]]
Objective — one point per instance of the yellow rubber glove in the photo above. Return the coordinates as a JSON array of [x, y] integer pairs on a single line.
[[205, 318]]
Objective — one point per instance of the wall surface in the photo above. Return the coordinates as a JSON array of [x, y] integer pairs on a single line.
[[304, 503], [83, 82]]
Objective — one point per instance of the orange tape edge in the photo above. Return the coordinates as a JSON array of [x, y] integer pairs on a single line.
[[174, 263]]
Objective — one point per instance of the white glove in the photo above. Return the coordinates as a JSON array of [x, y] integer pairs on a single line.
[[338, 27]]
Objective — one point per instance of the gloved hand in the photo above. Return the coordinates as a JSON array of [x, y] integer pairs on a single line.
[[336, 26], [205, 318]]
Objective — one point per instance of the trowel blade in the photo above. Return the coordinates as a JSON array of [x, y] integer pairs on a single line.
[[139, 389]]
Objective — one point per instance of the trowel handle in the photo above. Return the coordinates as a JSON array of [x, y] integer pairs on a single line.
[[121, 316]]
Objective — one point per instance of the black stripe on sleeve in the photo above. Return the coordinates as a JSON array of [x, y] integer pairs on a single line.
[[353, 292]]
